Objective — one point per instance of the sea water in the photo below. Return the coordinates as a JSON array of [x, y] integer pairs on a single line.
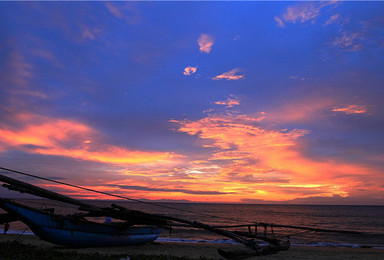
[[366, 219]]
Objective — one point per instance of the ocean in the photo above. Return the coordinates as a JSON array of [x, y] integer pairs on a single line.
[[366, 219]]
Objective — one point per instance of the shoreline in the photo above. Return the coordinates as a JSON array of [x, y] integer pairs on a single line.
[[200, 250]]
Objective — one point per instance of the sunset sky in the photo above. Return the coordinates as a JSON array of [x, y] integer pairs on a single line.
[[243, 102]]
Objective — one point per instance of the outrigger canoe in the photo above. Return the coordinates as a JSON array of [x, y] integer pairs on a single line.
[[77, 231]]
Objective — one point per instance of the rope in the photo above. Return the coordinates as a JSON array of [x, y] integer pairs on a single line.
[[17, 239]]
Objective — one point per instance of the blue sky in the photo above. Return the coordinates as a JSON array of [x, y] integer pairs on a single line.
[[201, 101]]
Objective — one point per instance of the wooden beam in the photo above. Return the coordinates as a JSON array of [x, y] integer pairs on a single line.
[[34, 190]]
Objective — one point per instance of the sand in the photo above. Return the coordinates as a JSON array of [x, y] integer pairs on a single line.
[[197, 250]]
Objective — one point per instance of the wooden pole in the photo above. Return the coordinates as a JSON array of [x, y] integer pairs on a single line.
[[31, 189]]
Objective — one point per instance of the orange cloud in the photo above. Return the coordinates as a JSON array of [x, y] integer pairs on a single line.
[[205, 43], [69, 138], [351, 109], [189, 70], [229, 75], [266, 164], [230, 102]]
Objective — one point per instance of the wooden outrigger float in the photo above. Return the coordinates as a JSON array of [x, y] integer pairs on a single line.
[[133, 227]]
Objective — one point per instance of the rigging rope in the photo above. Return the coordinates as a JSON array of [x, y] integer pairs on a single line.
[[117, 196]]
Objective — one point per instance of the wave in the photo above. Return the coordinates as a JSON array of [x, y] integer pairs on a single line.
[[230, 241], [340, 245], [17, 232], [297, 244]]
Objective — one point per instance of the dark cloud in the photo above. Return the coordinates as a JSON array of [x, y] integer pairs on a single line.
[[320, 200], [338, 200], [169, 190], [249, 178]]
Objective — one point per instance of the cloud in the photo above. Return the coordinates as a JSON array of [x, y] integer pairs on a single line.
[[351, 109], [125, 11], [264, 163], [68, 138], [357, 34], [114, 10], [186, 191], [229, 75], [352, 34], [339, 200], [21, 70], [90, 33], [205, 43], [188, 71], [239, 142], [18, 76], [279, 22], [78, 27], [303, 78], [348, 41], [302, 13], [332, 19], [325, 200], [230, 102], [301, 111]]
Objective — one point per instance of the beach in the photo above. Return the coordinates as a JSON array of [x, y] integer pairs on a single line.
[[206, 250]]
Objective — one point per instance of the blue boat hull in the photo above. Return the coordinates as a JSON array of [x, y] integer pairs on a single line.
[[66, 231]]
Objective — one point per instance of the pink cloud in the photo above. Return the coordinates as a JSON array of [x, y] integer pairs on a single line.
[[114, 10], [205, 43], [332, 19], [90, 33], [351, 109], [348, 41], [308, 110], [302, 12], [125, 11], [20, 75], [22, 70], [229, 75], [279, 22], [188, 71]]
